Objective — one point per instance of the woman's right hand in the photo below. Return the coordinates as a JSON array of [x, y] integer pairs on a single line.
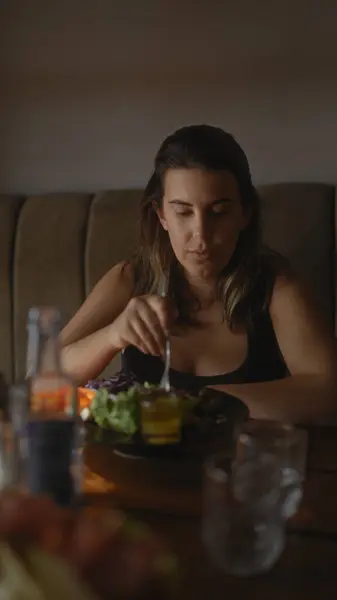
[[145, 323]]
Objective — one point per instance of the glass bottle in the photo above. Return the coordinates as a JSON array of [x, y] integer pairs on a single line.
[[51, 390], [54, 430]]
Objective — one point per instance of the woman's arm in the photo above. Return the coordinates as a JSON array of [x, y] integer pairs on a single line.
[[90, 340], [309, 349]]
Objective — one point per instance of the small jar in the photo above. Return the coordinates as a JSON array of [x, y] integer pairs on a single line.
[[160, 417]]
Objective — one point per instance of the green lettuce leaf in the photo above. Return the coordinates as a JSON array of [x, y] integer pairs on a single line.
[[120, 413]]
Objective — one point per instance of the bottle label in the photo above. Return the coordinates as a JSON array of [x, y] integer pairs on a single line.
[[59, 400]]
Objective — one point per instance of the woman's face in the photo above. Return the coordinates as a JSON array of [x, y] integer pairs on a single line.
[[203, 216]]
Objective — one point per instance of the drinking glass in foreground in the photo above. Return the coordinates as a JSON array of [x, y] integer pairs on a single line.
[[288, 444], [242, 524]]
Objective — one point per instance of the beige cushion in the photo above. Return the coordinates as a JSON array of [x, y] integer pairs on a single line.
[[9, 212], [298, 221], [112, 232], [48, 262]]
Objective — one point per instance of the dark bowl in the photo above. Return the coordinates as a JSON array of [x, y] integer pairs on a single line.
[[217, 417]]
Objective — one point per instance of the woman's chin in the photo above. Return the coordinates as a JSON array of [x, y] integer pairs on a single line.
[[202, 271]]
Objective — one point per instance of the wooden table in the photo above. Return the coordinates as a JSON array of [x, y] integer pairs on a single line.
[[308, 566]]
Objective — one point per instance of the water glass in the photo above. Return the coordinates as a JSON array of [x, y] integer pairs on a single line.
[[288, 444], [242, 524]]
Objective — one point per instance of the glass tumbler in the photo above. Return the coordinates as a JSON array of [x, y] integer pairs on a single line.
[[288, 444], [242, 524]]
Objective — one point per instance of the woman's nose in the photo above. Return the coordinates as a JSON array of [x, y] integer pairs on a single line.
[[201, 229]]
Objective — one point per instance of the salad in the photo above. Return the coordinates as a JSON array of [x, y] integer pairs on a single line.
[[116, 402]]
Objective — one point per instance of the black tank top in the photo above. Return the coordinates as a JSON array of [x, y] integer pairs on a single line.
[[264, 362]]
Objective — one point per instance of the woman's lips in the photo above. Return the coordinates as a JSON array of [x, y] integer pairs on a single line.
[[200, 256]]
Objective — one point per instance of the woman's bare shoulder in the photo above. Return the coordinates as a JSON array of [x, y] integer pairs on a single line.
[[103, 305], [120, 275], [304, 335], [289, 290]]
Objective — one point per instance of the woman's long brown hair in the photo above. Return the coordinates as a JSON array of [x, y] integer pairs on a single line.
[[242, 286]]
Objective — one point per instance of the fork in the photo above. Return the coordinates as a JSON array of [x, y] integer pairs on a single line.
[[165, 379]]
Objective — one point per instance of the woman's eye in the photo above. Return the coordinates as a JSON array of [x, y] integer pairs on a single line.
[[183, 213], [220, 210]]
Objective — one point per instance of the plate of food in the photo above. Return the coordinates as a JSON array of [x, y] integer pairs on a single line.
[[144, 420]]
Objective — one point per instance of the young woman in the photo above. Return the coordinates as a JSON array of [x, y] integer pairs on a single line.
[[238, 318]]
